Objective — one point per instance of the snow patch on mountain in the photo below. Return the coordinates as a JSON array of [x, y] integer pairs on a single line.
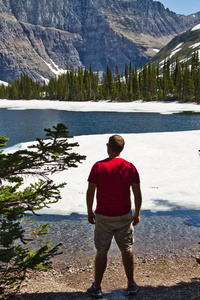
[[174, 51], [197, 27], [55, 68], [156, 50], [195, 45], [4, 83]]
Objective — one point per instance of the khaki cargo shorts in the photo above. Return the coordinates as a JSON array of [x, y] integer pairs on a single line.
[[120, 227]]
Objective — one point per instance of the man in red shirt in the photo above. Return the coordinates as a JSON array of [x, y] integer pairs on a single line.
[[112, 180]]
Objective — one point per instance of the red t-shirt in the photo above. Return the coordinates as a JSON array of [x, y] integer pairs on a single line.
[[113, 177]]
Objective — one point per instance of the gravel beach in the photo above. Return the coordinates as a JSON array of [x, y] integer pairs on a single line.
[[166, 248]]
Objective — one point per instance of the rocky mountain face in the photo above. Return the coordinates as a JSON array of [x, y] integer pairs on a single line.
[[40, 37]]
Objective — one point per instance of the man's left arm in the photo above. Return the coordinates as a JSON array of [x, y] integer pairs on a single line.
[[138, 202], [89, 200]]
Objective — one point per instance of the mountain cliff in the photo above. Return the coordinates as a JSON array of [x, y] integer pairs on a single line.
[[40, 37]]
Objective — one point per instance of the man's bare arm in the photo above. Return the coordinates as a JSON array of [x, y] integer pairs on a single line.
[[89, 200], [138, 202]]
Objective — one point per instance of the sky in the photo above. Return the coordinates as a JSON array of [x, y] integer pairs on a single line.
[[166, 157], [185, 7]]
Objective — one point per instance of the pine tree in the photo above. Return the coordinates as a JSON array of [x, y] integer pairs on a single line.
[[136, 91], [38, 161], [188, 84], [130, 83], [3, 91], [109, 81], [153, 81], [80, 83], [166, 75], [144, 83], [178, 80], [126, 73], [118, 83], [195, 73]]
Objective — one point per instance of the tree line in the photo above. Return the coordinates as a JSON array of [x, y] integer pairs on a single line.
[[175, 80]]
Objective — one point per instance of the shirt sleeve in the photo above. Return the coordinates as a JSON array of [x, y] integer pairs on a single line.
[[93, 176], [135, 175]]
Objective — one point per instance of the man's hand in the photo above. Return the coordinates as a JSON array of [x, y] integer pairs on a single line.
[[136, 219], [89, 200], [138, 202], [91, 218]]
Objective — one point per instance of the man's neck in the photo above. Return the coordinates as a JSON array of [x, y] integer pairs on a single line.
[[114, 155]]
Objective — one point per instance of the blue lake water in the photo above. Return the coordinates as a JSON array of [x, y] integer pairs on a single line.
[[27, 125]]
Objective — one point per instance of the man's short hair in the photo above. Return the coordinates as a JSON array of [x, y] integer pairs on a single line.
[[116, 143]]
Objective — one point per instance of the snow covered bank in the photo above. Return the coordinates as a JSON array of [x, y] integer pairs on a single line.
[[136, 106], [168, 163]]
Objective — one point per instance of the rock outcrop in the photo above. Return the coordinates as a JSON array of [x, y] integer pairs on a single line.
[[40, 37]]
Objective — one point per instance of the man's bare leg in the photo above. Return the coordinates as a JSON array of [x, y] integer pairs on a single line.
[[128, 262], [100, 266]]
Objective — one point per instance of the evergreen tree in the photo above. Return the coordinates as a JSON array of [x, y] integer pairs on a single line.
[[159, 83], [109, 78], [80, 83], [153, 81], [126, 73], [3, 91], [178, 80], [38, 161], [166, 76], [118, 83], [188, 84], [144, 83], [136, 91], [195, 73], [51, 89], [130, 83]]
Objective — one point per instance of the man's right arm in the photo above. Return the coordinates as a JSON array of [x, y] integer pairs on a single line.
[[138, 202], [89, 200]]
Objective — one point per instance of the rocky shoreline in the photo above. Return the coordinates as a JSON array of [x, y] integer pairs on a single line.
[[166, 248], [160, 278]]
